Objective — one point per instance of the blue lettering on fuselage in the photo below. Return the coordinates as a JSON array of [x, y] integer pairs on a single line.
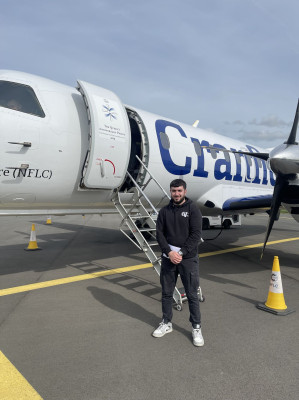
[[171, 167], [238, 176], [200, 170], [222, 166], [226, 173]]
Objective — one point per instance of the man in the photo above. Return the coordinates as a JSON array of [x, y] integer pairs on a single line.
[[178, 234]]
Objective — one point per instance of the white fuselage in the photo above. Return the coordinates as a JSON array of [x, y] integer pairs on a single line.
[[51, 163]]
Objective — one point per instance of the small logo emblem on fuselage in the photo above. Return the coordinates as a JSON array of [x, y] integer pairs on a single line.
[[109, 112]]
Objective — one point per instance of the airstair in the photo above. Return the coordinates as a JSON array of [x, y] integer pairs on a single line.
[[138, 222]]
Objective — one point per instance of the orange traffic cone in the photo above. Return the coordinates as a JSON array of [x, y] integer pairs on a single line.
[[49, 221], [275, 302], [32, 242]]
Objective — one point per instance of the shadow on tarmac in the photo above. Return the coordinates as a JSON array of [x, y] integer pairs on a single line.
[[246, 299], [93, 245], [120, 304]]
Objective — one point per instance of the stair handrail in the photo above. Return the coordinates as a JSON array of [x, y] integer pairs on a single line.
[[151, 175], [142, 192]]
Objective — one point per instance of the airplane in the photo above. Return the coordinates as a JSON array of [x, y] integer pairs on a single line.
[[67, 150]]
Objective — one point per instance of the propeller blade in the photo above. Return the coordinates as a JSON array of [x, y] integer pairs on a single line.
[[276, 202], [292, 137], [262, 156]]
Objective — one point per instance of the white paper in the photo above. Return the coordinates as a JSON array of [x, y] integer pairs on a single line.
[[172, 248]]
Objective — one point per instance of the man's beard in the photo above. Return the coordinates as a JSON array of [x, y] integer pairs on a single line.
[[178, 202]]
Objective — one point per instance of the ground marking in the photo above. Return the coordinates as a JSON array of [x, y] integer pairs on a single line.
[[93, 275], [13, 385]]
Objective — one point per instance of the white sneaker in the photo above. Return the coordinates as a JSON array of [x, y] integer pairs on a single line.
[[162, 329], [197, 337]]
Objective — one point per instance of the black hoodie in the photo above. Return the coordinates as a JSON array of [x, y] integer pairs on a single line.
[[180, 226]]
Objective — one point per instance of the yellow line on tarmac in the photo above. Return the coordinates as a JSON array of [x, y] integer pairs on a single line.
[[250, 246], [84, 277], [13, 385], [76, 278]]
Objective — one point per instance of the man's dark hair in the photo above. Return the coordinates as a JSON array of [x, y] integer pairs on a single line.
[[177, 183]]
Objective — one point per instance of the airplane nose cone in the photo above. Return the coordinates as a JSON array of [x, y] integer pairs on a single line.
[[284, 159]]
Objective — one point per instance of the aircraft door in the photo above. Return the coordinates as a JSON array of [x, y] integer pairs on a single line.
[[110, 139]]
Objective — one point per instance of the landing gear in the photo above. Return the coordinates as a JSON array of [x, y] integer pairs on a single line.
[[226, 224], [205, 224]]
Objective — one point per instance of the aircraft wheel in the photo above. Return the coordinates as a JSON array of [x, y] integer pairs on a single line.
[[226, 224], [205, 224]]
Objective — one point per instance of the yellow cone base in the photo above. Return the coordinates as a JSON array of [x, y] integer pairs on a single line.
[[276, 301], [262, 306], [32, 247]]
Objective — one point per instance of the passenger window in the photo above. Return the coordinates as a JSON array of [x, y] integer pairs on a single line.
[[197, 147], [238, 158], [226, 156], [20, 97], [165, 140], [259, 162], [249, 160], [213, 153]]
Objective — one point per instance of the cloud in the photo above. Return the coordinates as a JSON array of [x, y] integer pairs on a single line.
[[271, 121], [262, 135], [237, 122], [264, 130]]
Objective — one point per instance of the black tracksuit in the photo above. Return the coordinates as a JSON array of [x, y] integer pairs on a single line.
[[180, 226]]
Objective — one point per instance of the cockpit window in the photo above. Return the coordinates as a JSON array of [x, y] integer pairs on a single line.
[[20, 98]]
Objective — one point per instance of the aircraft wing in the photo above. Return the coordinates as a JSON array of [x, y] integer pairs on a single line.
[[248, 203]]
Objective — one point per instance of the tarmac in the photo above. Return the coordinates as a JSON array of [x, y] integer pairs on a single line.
[[76, 317]]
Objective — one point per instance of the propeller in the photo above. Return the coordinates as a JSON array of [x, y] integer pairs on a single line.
[[285, 165], [262, 156], [281, 182], [279, 187], [292, 137]]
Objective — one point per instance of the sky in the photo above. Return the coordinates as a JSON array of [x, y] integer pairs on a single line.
[[231, 64]]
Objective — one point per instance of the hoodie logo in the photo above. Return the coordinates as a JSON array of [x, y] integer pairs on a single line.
[[185, 214]]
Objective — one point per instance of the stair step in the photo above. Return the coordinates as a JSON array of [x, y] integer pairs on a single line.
[[147, 229], [139, 216], [125, 196], [130, 204]]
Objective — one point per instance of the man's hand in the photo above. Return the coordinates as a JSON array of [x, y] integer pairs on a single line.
[[174, 257]]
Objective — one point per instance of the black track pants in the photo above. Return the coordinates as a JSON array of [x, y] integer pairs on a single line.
[[189, 272]]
